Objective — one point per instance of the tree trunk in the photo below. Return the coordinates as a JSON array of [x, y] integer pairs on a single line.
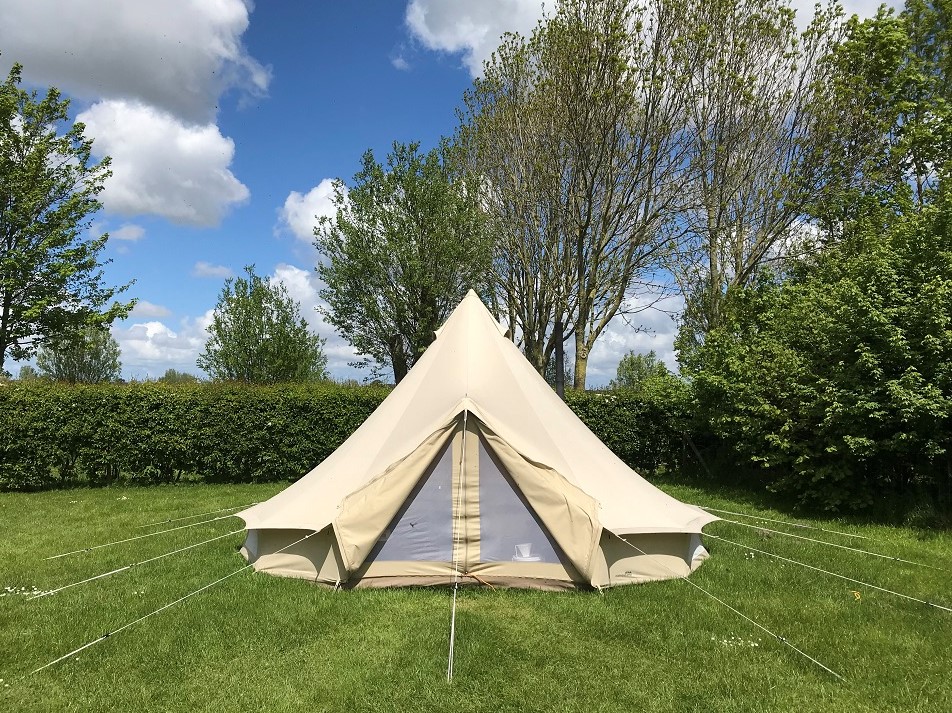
[[559, 361], [398, 359], [581, 362]]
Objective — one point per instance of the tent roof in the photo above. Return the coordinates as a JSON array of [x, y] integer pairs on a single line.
[[472, 367]]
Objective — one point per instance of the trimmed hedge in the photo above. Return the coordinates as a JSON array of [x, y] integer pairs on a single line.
[[55, 435]]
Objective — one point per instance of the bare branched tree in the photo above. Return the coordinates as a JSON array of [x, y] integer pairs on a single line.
[[577, 134], [761, 118]]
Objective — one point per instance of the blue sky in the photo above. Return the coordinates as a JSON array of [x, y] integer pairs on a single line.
[[226, 122]]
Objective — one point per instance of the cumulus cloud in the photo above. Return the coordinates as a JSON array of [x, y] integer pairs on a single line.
[[129, 232], [179, 55], [470, 28], [163, 166], [145, 309], [300, 213], [650, 329], [155, 72], [150, 348], [206, 269]]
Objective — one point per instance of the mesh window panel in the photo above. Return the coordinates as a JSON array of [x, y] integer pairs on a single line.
[[423, 529], [508, 528]]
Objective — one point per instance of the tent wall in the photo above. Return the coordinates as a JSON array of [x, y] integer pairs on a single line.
[[465, 498], [666, 556], [316, 558]]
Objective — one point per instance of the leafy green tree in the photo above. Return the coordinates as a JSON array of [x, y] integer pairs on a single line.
[[50, 271], [635, 370], [870, 70], [28, 373], [171, 376], [258, 336], [90, 356], [925, 117], [408, 241], [837, 384], [893, 80]]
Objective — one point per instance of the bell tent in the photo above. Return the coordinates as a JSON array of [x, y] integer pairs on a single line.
[[473, 470]]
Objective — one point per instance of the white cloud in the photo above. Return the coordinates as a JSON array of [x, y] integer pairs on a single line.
[[400, 63], [162, 166], [128, 231], [151, 348], [206, 269], [472, 28], [147, 309], [300, 213], [180, 55], [155, 72], [647, 330]]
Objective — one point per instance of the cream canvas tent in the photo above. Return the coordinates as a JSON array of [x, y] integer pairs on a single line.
[[474, 468]]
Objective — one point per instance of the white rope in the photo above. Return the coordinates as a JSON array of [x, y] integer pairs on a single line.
[[683, 578], [162, 608], [198, 514], [832, 574], [139, 537], [786, 522], [457, 546], [449, 660], [134, 564], [833, 544]]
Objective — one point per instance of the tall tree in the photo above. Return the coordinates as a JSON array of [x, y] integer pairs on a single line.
[[761, 117], [89, 356], [50, 271], [258, 336], [891, 80], [406, 244], [577, 132], [865, 155], [926, 114], [505, 138]]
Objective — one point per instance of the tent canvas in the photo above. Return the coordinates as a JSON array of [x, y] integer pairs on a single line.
[[474, 468]]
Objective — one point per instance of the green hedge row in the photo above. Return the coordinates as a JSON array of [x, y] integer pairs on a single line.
[[54, 435]]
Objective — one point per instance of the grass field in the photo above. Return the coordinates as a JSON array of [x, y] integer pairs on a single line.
[[259, 643]]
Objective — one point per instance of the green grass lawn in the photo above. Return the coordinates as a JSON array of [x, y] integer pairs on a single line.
[[259, 643]]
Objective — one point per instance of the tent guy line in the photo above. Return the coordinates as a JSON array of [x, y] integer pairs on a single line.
[[833, 544], [198, 514], [456, 547], [160, 609], [832, 574], [139, 537], [739, 613], [134, 564], [785, 522]]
